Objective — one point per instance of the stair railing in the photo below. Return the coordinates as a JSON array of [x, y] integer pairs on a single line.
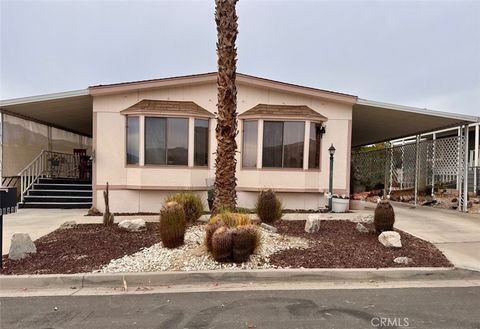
[[48, 164]]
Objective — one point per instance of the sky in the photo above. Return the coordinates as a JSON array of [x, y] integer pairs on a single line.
[[416, 53]]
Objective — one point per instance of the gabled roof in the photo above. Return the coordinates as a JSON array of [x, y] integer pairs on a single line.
[[180, 108], [282, 112], [212, 78]]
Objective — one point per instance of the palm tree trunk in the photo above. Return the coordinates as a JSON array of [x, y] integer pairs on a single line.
[[226, 130]]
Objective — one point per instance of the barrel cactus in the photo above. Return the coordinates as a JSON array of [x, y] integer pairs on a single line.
[[222, 244], [384, 216], [209, 230], [172, 225], [269, 207], [245, 240]]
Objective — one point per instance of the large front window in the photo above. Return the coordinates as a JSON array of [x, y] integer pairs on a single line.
[[283, 144], [166, 141]]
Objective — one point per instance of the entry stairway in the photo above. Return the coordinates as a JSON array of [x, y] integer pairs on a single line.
[[59, 193], [55, 180]]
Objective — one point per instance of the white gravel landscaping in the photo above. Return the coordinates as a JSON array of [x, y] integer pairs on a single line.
[[193, 256]]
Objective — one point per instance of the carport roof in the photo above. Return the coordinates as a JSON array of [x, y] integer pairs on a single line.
[[70, 111], [372, 121]]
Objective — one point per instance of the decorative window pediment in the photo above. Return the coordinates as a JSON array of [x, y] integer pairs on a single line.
[[269, 111], [167, 108]]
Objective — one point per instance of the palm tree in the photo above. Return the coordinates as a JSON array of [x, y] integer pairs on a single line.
[[226, 130]]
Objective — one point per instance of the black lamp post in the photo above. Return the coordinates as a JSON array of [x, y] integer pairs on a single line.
[[331, 151]]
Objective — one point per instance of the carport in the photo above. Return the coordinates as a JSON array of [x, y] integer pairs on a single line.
[[409, 160]]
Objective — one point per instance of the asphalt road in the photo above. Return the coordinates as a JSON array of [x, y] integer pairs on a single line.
[[359, 308]]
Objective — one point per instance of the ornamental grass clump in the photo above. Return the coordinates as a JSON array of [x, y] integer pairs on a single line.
[[231, 237], [172, 225], [192, 205], [384, 216], [269, 207]]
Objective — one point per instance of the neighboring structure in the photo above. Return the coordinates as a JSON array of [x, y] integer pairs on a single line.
[[151, 138]]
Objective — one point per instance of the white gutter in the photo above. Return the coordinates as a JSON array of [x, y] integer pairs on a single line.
[[395, 107], [45, 97]]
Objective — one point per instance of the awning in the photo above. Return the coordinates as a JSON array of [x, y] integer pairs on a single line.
[[70, 111], [374, 122]]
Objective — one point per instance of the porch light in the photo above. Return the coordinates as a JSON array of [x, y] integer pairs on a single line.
[[331, 150]]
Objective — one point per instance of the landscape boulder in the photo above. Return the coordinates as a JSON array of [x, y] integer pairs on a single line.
[[68, 224], [403, 260], [268, 227], [390, 239], [365, 219], [133, 225], [312, 225], [21, 246], [361, 228]]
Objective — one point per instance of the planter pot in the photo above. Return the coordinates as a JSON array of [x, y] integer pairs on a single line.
[[340, 205]]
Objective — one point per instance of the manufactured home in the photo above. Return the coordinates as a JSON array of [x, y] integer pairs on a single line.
[[147, 139]]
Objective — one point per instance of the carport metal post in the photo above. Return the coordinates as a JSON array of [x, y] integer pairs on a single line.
[[465, 168], [417, 158], [434, 142]]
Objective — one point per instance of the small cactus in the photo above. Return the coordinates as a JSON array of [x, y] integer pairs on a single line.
[[222, 244], [269, 207], [107, 215], [245, 240], [172, 225], [384, 216]]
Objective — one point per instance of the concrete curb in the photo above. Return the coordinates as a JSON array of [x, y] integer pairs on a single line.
[[116, 280]]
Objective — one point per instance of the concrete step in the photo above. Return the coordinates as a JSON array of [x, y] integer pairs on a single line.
[[57, 205], [60, 192], [50, 186], [64, 181], [57, 199]]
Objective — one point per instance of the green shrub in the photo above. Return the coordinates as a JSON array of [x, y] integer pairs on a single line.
[[172, 225], [384, 216], [192, 204], [268, 207]]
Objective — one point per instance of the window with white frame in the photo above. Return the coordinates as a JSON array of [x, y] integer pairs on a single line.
[[133, 140], [200, 147], [250, 135]]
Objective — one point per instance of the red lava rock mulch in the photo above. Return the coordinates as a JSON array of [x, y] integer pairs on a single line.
[[84, 248], [339, 244]]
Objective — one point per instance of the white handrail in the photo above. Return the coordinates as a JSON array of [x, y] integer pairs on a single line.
[[48, 164]]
